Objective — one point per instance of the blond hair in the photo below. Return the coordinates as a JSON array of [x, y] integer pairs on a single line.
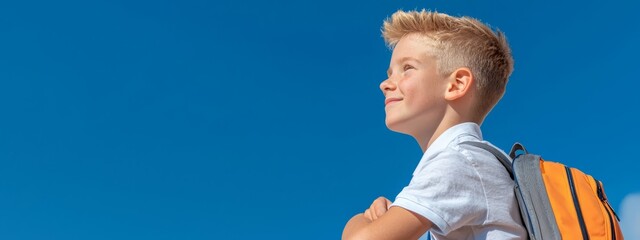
[[459, 42]]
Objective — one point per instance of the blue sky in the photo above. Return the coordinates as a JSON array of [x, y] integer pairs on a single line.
[[263, 119]]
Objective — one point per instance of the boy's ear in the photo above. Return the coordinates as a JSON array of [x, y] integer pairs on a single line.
[[459, 83]]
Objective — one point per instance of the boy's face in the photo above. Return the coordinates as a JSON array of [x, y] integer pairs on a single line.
[[414, 91]]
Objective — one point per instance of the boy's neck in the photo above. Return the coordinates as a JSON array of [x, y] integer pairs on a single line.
[[429, 137]]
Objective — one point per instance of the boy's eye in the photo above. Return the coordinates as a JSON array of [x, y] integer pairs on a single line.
[[407, 67]]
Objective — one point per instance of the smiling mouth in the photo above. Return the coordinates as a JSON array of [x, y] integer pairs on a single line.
[[391, 100]]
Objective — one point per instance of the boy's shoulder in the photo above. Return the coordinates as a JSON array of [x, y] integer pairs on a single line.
[[456, 151], [473, 172], [479, 181]]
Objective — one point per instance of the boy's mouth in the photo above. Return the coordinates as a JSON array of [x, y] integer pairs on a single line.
[[390, 100]]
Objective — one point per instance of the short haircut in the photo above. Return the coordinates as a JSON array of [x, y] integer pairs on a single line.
[[459, 42]]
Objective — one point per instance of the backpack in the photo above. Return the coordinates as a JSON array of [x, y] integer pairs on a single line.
[[556, 201]]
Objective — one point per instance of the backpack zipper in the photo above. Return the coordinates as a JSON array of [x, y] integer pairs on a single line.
[[583, 227], [607, 207], [604, 199]]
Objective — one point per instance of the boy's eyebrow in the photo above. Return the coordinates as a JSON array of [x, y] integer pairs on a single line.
[[409, 58]]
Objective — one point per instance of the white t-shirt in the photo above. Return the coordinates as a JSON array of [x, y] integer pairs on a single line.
[[463, 190]]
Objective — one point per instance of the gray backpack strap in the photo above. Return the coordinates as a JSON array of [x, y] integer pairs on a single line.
[[505, 160], [535, 206]]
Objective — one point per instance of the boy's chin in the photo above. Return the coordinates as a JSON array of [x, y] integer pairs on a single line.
[[397, 128]]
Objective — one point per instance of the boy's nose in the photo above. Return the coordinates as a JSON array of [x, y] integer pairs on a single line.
[[387, 85]]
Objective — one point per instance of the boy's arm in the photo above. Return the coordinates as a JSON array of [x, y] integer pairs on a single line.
[[397, 223]]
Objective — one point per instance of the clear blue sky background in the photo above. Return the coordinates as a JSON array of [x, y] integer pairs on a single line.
[[263, 119]]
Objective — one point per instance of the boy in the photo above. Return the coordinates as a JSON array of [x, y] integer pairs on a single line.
[[445, 75]]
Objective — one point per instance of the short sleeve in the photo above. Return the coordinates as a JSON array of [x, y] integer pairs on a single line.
[[448, 191]]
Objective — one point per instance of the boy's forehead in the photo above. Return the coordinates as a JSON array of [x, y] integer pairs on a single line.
[[413, 45]]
